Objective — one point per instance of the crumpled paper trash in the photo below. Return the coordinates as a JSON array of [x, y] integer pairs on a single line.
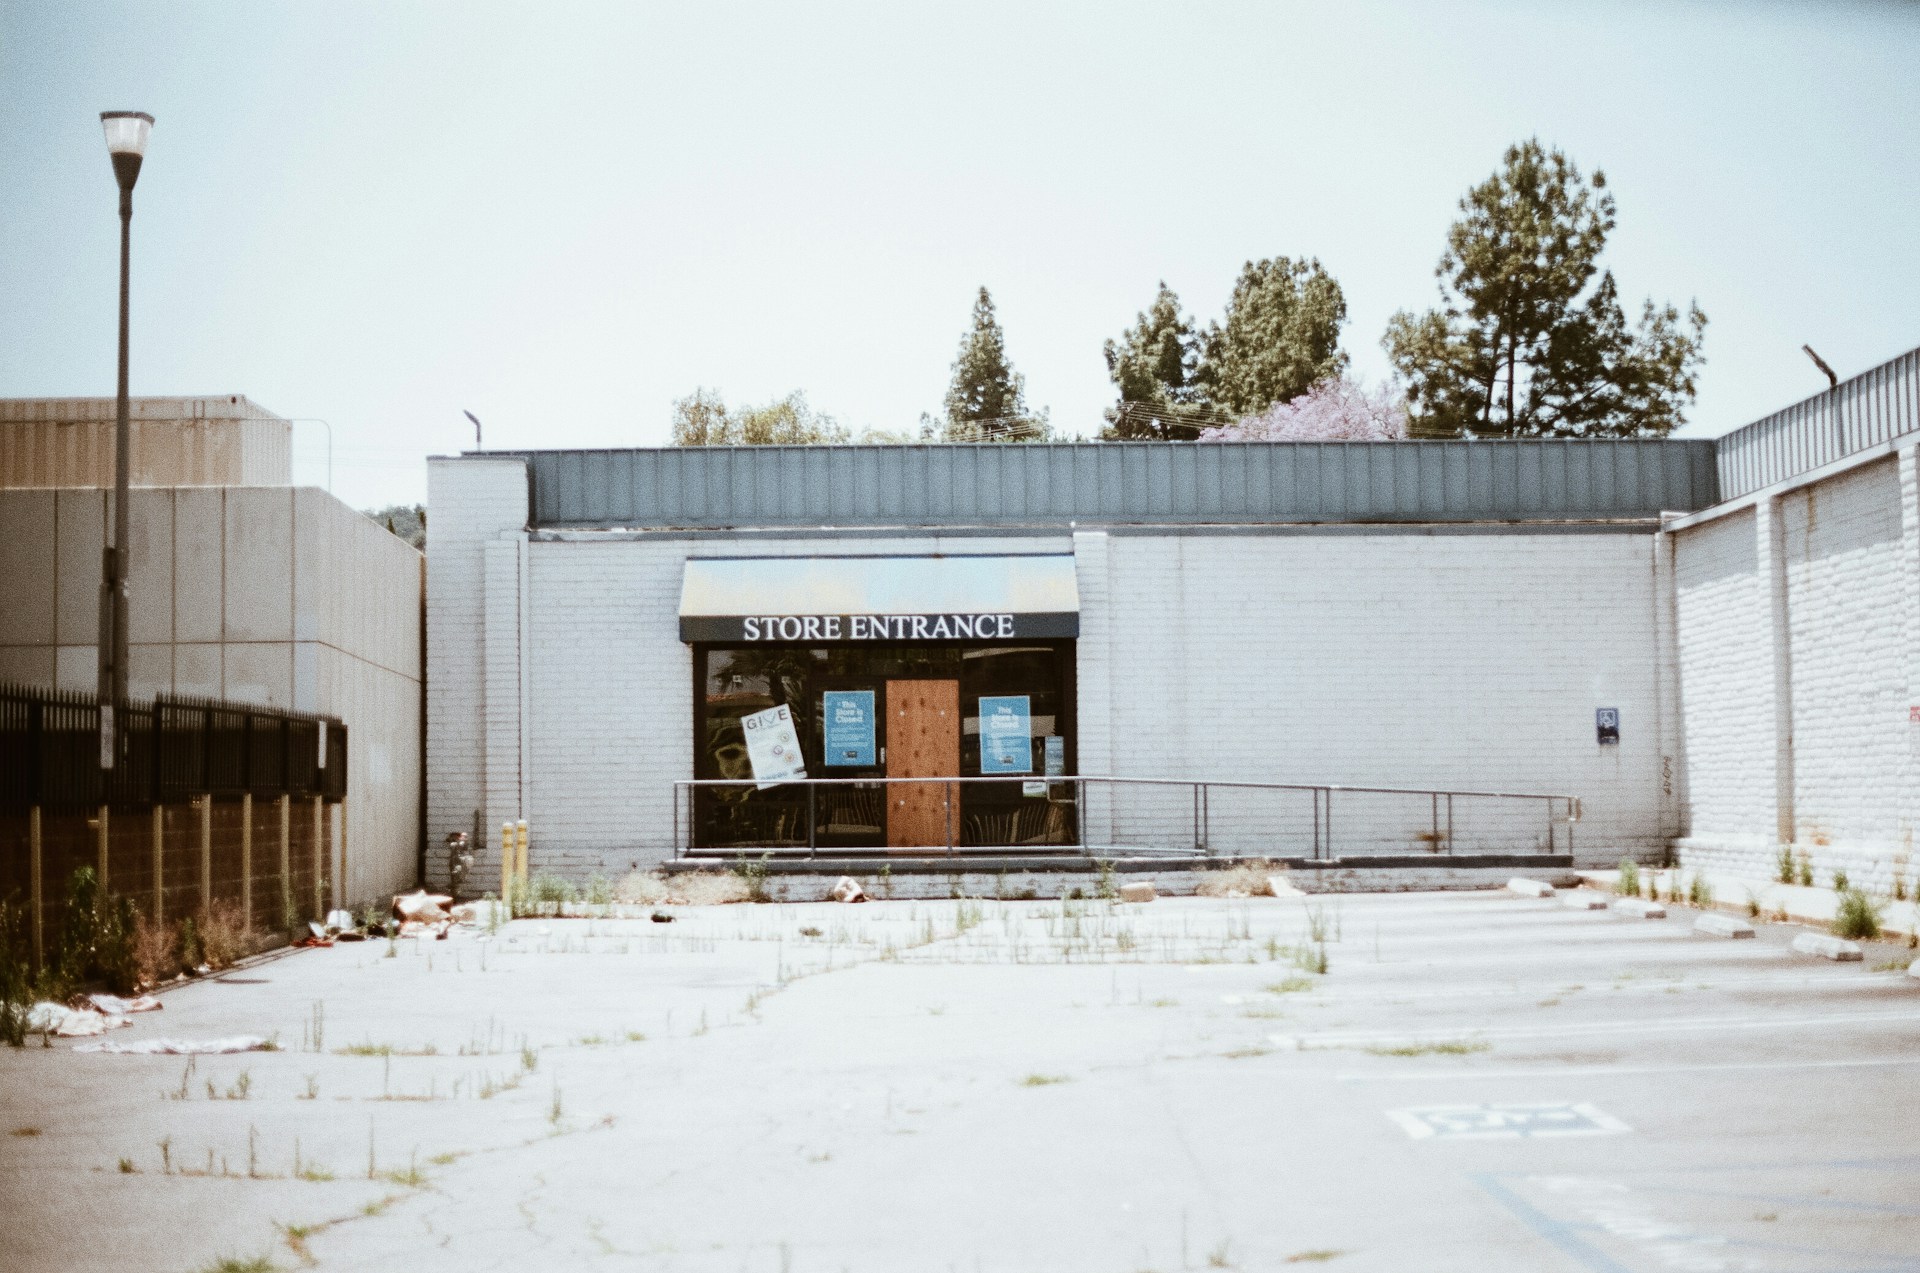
[[486, 913], [847, 889], [421, 907], [181, 1047], [70, 1023]]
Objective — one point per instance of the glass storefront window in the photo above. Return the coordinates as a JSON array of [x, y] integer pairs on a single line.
[[1014, 811]]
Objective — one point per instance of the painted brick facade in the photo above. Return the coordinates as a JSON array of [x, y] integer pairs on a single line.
[[561, 692], [1797, 637], [1378, 657]]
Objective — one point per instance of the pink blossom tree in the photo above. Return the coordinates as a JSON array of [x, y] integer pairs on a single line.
[[1337, 409]]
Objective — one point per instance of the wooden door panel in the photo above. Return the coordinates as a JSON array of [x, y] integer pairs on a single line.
[[923, 741]]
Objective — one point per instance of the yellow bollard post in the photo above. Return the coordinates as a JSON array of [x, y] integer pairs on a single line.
[[105, 842], [520, 849], [506, 863]]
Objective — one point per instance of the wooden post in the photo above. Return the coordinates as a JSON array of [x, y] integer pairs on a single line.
[[506, 861], [246, 862], [33, 882], [103, 842], [206, 854], [340, 811], [319, 899], [286, 861], [520, 850], [159, 863]]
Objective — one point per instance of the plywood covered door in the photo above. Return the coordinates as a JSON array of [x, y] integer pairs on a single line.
[[923, 741]]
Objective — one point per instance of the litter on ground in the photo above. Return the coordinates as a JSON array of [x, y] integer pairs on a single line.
[[181, 1047]]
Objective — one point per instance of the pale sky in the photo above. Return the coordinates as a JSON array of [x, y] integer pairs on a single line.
[[563, 216]]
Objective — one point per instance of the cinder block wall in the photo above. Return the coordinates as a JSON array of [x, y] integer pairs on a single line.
[[1379, 656], [1798, 611]]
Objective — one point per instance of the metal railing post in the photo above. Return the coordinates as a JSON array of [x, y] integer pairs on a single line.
[[1449, 824], [1329, 823], [946, 806], [1196, 818], [813, 849]]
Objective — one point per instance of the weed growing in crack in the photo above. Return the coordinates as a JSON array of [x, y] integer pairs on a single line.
[[1449, 1047], [1858, 917]]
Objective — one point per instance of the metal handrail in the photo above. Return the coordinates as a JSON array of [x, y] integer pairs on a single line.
[[1441, 801]]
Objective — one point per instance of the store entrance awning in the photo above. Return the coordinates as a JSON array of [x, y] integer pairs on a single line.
[[787, 600]]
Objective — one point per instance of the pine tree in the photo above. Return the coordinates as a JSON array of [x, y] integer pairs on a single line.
[[987, 399], [1280, 338], [1152, 366], [1531, 339]]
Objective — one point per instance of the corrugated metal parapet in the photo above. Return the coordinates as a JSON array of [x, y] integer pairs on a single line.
[[1873, 407], [1117, 483]]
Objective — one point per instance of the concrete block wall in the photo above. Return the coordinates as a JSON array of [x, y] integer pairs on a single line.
[[474, 502], [225, 440], [281, 596], [1381, 656], [1799, 616]]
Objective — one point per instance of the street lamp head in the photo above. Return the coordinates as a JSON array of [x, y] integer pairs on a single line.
[[127, 142]]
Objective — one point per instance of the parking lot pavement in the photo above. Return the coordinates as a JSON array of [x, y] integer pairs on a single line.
[[1476, 1081]]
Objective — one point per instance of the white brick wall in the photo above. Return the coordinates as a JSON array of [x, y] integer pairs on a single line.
[[1812, 688], [1726, 692], [1846, 625], [1387, 658], [472, 502]]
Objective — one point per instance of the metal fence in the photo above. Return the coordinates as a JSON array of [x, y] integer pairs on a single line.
[[1114, 817], [172, 748], [1873, 407]]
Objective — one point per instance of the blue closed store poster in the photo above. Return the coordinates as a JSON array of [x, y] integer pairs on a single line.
[[1006, 735], [849, 728]]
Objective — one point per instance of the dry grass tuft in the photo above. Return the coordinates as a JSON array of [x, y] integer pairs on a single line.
[[1249, 879], [223, 937], [156, 950]]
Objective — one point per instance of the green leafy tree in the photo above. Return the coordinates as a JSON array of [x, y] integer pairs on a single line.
[[408, 521], [1280, 338], [702, 418], [987, 399], [1531, 339], [1153, 366]]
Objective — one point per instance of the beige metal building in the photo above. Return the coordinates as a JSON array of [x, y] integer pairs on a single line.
[[243, 587]]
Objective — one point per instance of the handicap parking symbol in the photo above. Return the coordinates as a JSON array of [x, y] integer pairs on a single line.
[[1504, 1122]]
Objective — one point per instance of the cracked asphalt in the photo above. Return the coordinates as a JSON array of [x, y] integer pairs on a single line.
[[1477, 1082]]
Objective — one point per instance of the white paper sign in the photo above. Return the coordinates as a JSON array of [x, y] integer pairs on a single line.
[[773, 748]]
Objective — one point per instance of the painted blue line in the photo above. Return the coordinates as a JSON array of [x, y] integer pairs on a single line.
[[1558, 1232]]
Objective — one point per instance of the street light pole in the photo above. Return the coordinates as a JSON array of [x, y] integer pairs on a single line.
[[127, 133]]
